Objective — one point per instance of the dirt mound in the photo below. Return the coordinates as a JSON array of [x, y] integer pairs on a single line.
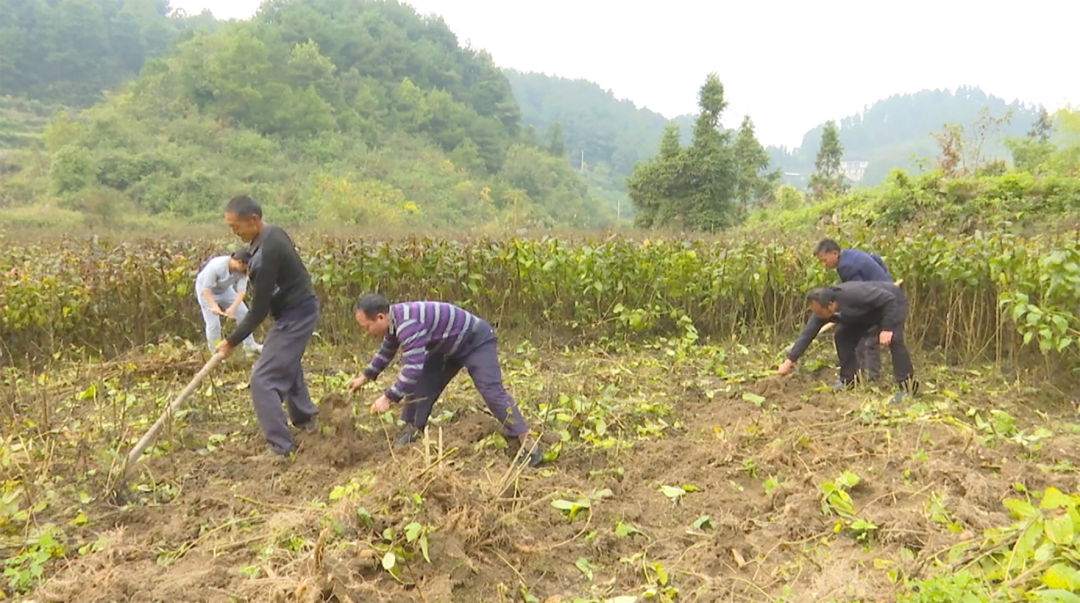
[[339, 444]]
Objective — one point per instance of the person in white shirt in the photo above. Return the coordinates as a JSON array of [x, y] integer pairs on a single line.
[[222, 283]]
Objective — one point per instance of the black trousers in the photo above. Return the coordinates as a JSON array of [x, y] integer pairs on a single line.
[[848, 337], [869, 354]]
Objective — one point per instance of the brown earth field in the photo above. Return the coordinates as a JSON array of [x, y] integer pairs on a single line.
[[676, 473]]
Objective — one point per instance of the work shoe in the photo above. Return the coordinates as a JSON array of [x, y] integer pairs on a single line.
[[406, 436], [838, 386], [526, 451], [311, 426], [270, 457], [907, 388]]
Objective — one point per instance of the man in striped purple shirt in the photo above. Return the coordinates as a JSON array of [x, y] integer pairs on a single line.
[[436, 340]]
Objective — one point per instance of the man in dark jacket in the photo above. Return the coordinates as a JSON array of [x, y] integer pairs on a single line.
[[856, 265], [283, 289], [858, 307]]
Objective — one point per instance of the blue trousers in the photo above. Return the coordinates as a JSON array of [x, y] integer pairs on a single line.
[[278, 376], [479, 356]]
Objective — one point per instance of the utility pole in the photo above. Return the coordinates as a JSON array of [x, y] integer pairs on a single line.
[[581, 168]]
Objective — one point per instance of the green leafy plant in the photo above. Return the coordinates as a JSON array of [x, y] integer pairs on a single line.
[[676, 493], [703, 523], [835, 499], [415, 532], [863, 529], [85, 294], [571, 508], [625, 530], [585, 567], [397, 551], [1036, 554], [26, 568], [659, 583]]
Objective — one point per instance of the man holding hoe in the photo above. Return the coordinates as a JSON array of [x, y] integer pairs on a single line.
[[282, 287], [857, 308], [436, 340]]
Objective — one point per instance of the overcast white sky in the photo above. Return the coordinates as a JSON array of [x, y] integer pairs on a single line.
[[790, 64]]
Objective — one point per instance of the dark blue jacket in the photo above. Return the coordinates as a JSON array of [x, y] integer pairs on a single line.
[[856, 265]]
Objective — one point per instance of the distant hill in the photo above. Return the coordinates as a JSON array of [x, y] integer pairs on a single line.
[[71, 52], [22, 122], [396, 85], [334, 112], [609, 133], [893, 130], [614, 131]]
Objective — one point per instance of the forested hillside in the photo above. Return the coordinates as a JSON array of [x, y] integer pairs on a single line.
[[23, 121], [722, 178], [363, 113], [349, 113], [893, 131], [603, 136], [608, 130], [1034, 189], [72, 51]]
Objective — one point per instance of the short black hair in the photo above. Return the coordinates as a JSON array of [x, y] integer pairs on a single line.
[[827, 246], [372, 305], [242, 255], [822, 295], [243, 206]]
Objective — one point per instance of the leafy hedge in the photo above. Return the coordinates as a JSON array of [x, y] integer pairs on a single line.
[[1014, 201], [971, 296]]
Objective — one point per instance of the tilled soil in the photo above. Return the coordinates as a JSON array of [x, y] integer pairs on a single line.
[[218, 520]]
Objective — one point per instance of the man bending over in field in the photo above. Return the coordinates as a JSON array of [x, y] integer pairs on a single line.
[[282, 288], [858, 307], [437, 339], [222, 283], [856, 265]]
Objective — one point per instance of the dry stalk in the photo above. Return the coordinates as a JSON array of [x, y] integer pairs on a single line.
[[512, 568], [528, 549], [437, 462], [526, 507]]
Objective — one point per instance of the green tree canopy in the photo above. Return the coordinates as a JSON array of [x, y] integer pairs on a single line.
[[332, 110]]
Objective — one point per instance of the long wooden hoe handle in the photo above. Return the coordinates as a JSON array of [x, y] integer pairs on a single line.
[[830, 325], [133, 456]]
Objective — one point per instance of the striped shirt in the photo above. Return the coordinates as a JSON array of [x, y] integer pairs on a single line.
[[418, 328]]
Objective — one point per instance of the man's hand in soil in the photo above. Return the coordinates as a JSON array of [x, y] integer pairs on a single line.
[[381, 405], [885, 338], [357, 383], [225, 348], [785, 368]]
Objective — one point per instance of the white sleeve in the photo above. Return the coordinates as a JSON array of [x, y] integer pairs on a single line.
[[206, 279], [241, 284], [211, 275]]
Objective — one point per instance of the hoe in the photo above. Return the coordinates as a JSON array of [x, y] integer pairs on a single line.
[[133, 456]]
